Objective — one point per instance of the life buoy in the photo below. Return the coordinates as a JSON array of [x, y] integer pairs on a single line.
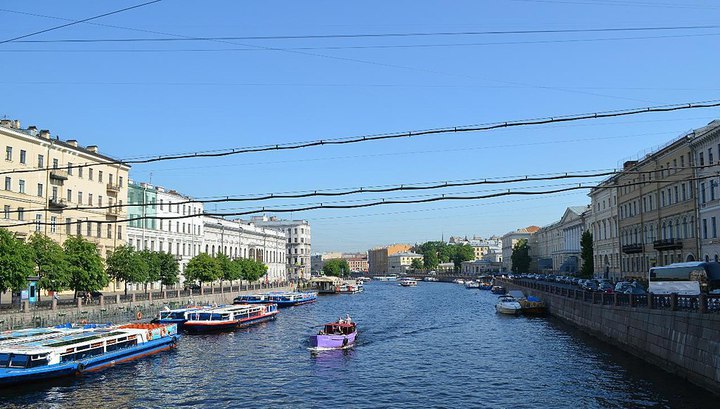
[[83, 321], [149, 335], [138, 315]]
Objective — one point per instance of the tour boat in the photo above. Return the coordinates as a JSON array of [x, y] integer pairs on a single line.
[[459, 281], [34, 334], [177, 316], [472, 284], [229, 317], [281, 298], [508, 305], [335, 335], [351, 288], [386, 278], [408, 282], [87, 350]]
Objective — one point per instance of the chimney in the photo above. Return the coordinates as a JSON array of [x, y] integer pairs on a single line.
[[16, 124], [72, 142], [629, 164], [92, 148], [44, 134], [7, 123]]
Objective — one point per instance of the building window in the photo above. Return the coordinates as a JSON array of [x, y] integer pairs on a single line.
[[712, 190], [682, 161], [702, 192], [713, 223], [90, 173], [710, 156], [7, 212], [78, 228], [55, 193], [68, 223], [120, 181], [88, 231], [99, 230], [704, 228], [80, 171], [8, 153], [38, 220], [119, 232], [56, 164], [109, 231], [69, 195], [100, 174], [702, 159], [90, 199], [53, 223], [23, 155], [684, 193], [21, 213], [99, 201], [41, 161], [80, 195], [41, 191], [21, 186]]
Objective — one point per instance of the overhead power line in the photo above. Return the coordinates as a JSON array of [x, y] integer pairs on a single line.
[[375, 35], [72, 23], [388, 136], [378, 202]]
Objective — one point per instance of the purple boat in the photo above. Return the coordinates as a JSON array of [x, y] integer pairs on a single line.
[[335, 335]]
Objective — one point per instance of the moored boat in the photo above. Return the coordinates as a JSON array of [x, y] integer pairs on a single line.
[[472, 284], [229, 317], [177, 316], [498, 289], [530, 305], [84, 351], [281, 298], [408, 282], [335, 335], [386, 278], [508, 305]]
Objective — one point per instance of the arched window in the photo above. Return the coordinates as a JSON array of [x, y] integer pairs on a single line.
[[685, 228], [707, 258], [664, 234], [670, 230], [716, 258]]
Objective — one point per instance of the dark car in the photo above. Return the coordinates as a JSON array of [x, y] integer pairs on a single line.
[[192, 286], [605, 286], [89, 295]]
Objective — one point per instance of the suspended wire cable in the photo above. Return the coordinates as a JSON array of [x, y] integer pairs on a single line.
[[378, 202], [72, 23], [378, 137]]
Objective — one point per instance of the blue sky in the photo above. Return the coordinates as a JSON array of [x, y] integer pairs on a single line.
[[151, 98]]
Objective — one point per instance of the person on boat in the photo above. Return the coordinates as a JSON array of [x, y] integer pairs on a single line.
[[348, 320]]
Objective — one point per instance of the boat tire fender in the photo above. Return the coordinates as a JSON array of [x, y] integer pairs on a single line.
[[345, 342], [138, 316], [80, 368]]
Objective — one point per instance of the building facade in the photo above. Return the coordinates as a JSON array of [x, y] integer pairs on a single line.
[[510, 239], [399, 263], [657, 209], [706, 152], [604, 226], [239, 239], [298, 243], [164, 221], [61, 189], [378, 257]]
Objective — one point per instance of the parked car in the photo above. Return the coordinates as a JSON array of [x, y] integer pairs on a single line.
[[621, 286], [590, 285], [605, 286], [192, 286]]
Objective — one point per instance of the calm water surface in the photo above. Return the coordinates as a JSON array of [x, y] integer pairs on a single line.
[[435, 345]]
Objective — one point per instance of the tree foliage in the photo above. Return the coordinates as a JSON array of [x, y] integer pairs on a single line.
[[229, 270], [586, 252], [202, 268], [336, 267], [16, 263], [436, 252], [50, 263], [417, 264], [85, 265], [127, 265], [520, 257], [251, 270], [169, 269]]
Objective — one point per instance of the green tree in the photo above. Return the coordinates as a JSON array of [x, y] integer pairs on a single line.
[[586, 252], [417, 264], [336, 267], [84, 264], [152, 260], [50, 263], [127, 265], [251, 270], [16, 263], [229, 270], [169, 269], [460, 253], [202, 268], [520, 257]]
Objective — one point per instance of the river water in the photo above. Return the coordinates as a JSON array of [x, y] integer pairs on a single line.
[[434, 345]]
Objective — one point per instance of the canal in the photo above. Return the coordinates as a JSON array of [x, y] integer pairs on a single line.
[[434, 345]]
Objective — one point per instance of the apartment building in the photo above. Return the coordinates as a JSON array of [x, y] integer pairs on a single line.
[[378, 257], [657, 209], [603, 222], [510, 239], [60, 188], [706, 152], [298, 243]]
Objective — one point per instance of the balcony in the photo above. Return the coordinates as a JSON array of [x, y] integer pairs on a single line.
[[668, 244], [113, 211], [56, 203], [58, 174], [633, 248], [113, 188]]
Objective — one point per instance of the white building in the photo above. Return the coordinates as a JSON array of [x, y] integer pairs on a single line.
[[181, 237], [556, 247], [510, 239], [239, 239], [298, 243], [399, 263]]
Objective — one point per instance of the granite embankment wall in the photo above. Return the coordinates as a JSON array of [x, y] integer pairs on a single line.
[[119, 309], [679, 335]]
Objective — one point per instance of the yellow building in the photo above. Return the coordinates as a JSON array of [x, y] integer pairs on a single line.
[[45, 180]]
